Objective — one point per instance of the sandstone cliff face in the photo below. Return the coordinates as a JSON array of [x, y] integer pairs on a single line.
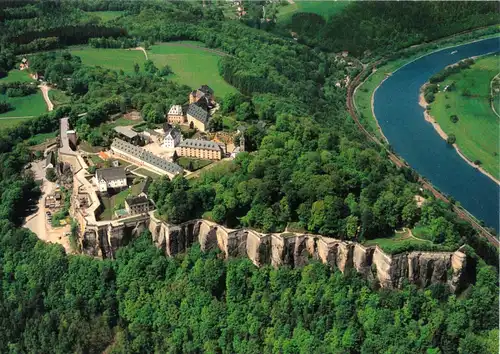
[[391, 271], [295, 250]]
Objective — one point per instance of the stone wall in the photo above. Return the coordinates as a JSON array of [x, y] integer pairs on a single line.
[[295, 250]]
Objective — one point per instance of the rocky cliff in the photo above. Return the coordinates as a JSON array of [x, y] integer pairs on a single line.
[[391, 271]]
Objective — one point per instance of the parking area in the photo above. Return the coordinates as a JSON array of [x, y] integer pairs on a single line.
[[39, 222]]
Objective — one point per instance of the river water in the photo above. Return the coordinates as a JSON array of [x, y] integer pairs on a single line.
[[402, 121]]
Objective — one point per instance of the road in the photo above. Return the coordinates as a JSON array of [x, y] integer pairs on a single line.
[[45, 92], [461, 213]]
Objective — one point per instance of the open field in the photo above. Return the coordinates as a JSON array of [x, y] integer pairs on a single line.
[[476, 130], [114, 59], [27, 106], [192, 64], [17, 75], [11, 122], [397, 240], [41, 138], [107, 15], [323, 8]]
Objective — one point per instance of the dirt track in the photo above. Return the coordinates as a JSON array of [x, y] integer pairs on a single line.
[[45, 92]]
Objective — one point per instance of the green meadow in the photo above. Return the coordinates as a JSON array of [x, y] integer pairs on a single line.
[[476, 130], [24, 107], [323, 8], [16, 76], [107, 15], [114, 59], [192, 64]]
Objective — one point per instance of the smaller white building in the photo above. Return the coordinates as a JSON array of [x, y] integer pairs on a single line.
[[172, 138], [113, 177]]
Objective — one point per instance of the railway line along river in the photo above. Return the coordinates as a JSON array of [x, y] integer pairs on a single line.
[[401, 119]]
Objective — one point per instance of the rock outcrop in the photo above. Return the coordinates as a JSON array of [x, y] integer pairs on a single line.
[[296, 250]]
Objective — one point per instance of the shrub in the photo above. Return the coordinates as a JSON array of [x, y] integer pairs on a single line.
[[451, 139], [51, 175], [477, 162], [454, 118]]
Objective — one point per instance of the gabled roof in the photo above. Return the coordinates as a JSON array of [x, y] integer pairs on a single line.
[[146, 156], [175, 110], [197, 112], [129, 133], [111, 174], [172, 132], [200, 144]]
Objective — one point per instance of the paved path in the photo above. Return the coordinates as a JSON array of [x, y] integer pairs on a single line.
[[45, 92]]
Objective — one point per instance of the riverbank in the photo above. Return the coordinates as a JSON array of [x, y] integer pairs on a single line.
[[364, 93], [429, 118]]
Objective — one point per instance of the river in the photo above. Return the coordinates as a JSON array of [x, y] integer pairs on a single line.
[[402, 121]]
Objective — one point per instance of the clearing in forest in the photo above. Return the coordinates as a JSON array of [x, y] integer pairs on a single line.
[[114, 59], [468, 97], [106, 16], [25, 107], [192, 64], [323, 8]]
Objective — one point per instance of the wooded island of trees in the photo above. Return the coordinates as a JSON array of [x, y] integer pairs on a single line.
[[306, 165]]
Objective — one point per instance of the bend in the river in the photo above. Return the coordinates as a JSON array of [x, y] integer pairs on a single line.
[[402, 121]]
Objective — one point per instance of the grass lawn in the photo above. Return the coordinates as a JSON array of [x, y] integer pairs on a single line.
[[111, 203], [364, 92], [323, 8], [196, 164], [122, 121], [83, 145], [107, 15], [476, 131], [192, 65], [396, 241], [230, 123], [9, 123], [27, 106], [114, 59], [58, 97], [147, 173], [17, 75], [41, 138]]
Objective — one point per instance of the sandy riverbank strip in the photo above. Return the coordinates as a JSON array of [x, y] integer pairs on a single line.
[[423, 103]]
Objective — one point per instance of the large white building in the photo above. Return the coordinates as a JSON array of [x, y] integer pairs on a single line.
[[172, 138], [114, 177]]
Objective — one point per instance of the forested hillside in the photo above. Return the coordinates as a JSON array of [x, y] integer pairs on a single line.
[[307, 166], [145, 302], [385, 26]]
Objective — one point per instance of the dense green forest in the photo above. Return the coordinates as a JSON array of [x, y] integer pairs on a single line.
[[386, 26], [144, 302], [307, 166]]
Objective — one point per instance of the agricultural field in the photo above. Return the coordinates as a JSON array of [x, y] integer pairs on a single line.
[[476, 130], [27, 106], [17, 75], [192, 64], [114, 59], [24, 107], [323, 8]]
